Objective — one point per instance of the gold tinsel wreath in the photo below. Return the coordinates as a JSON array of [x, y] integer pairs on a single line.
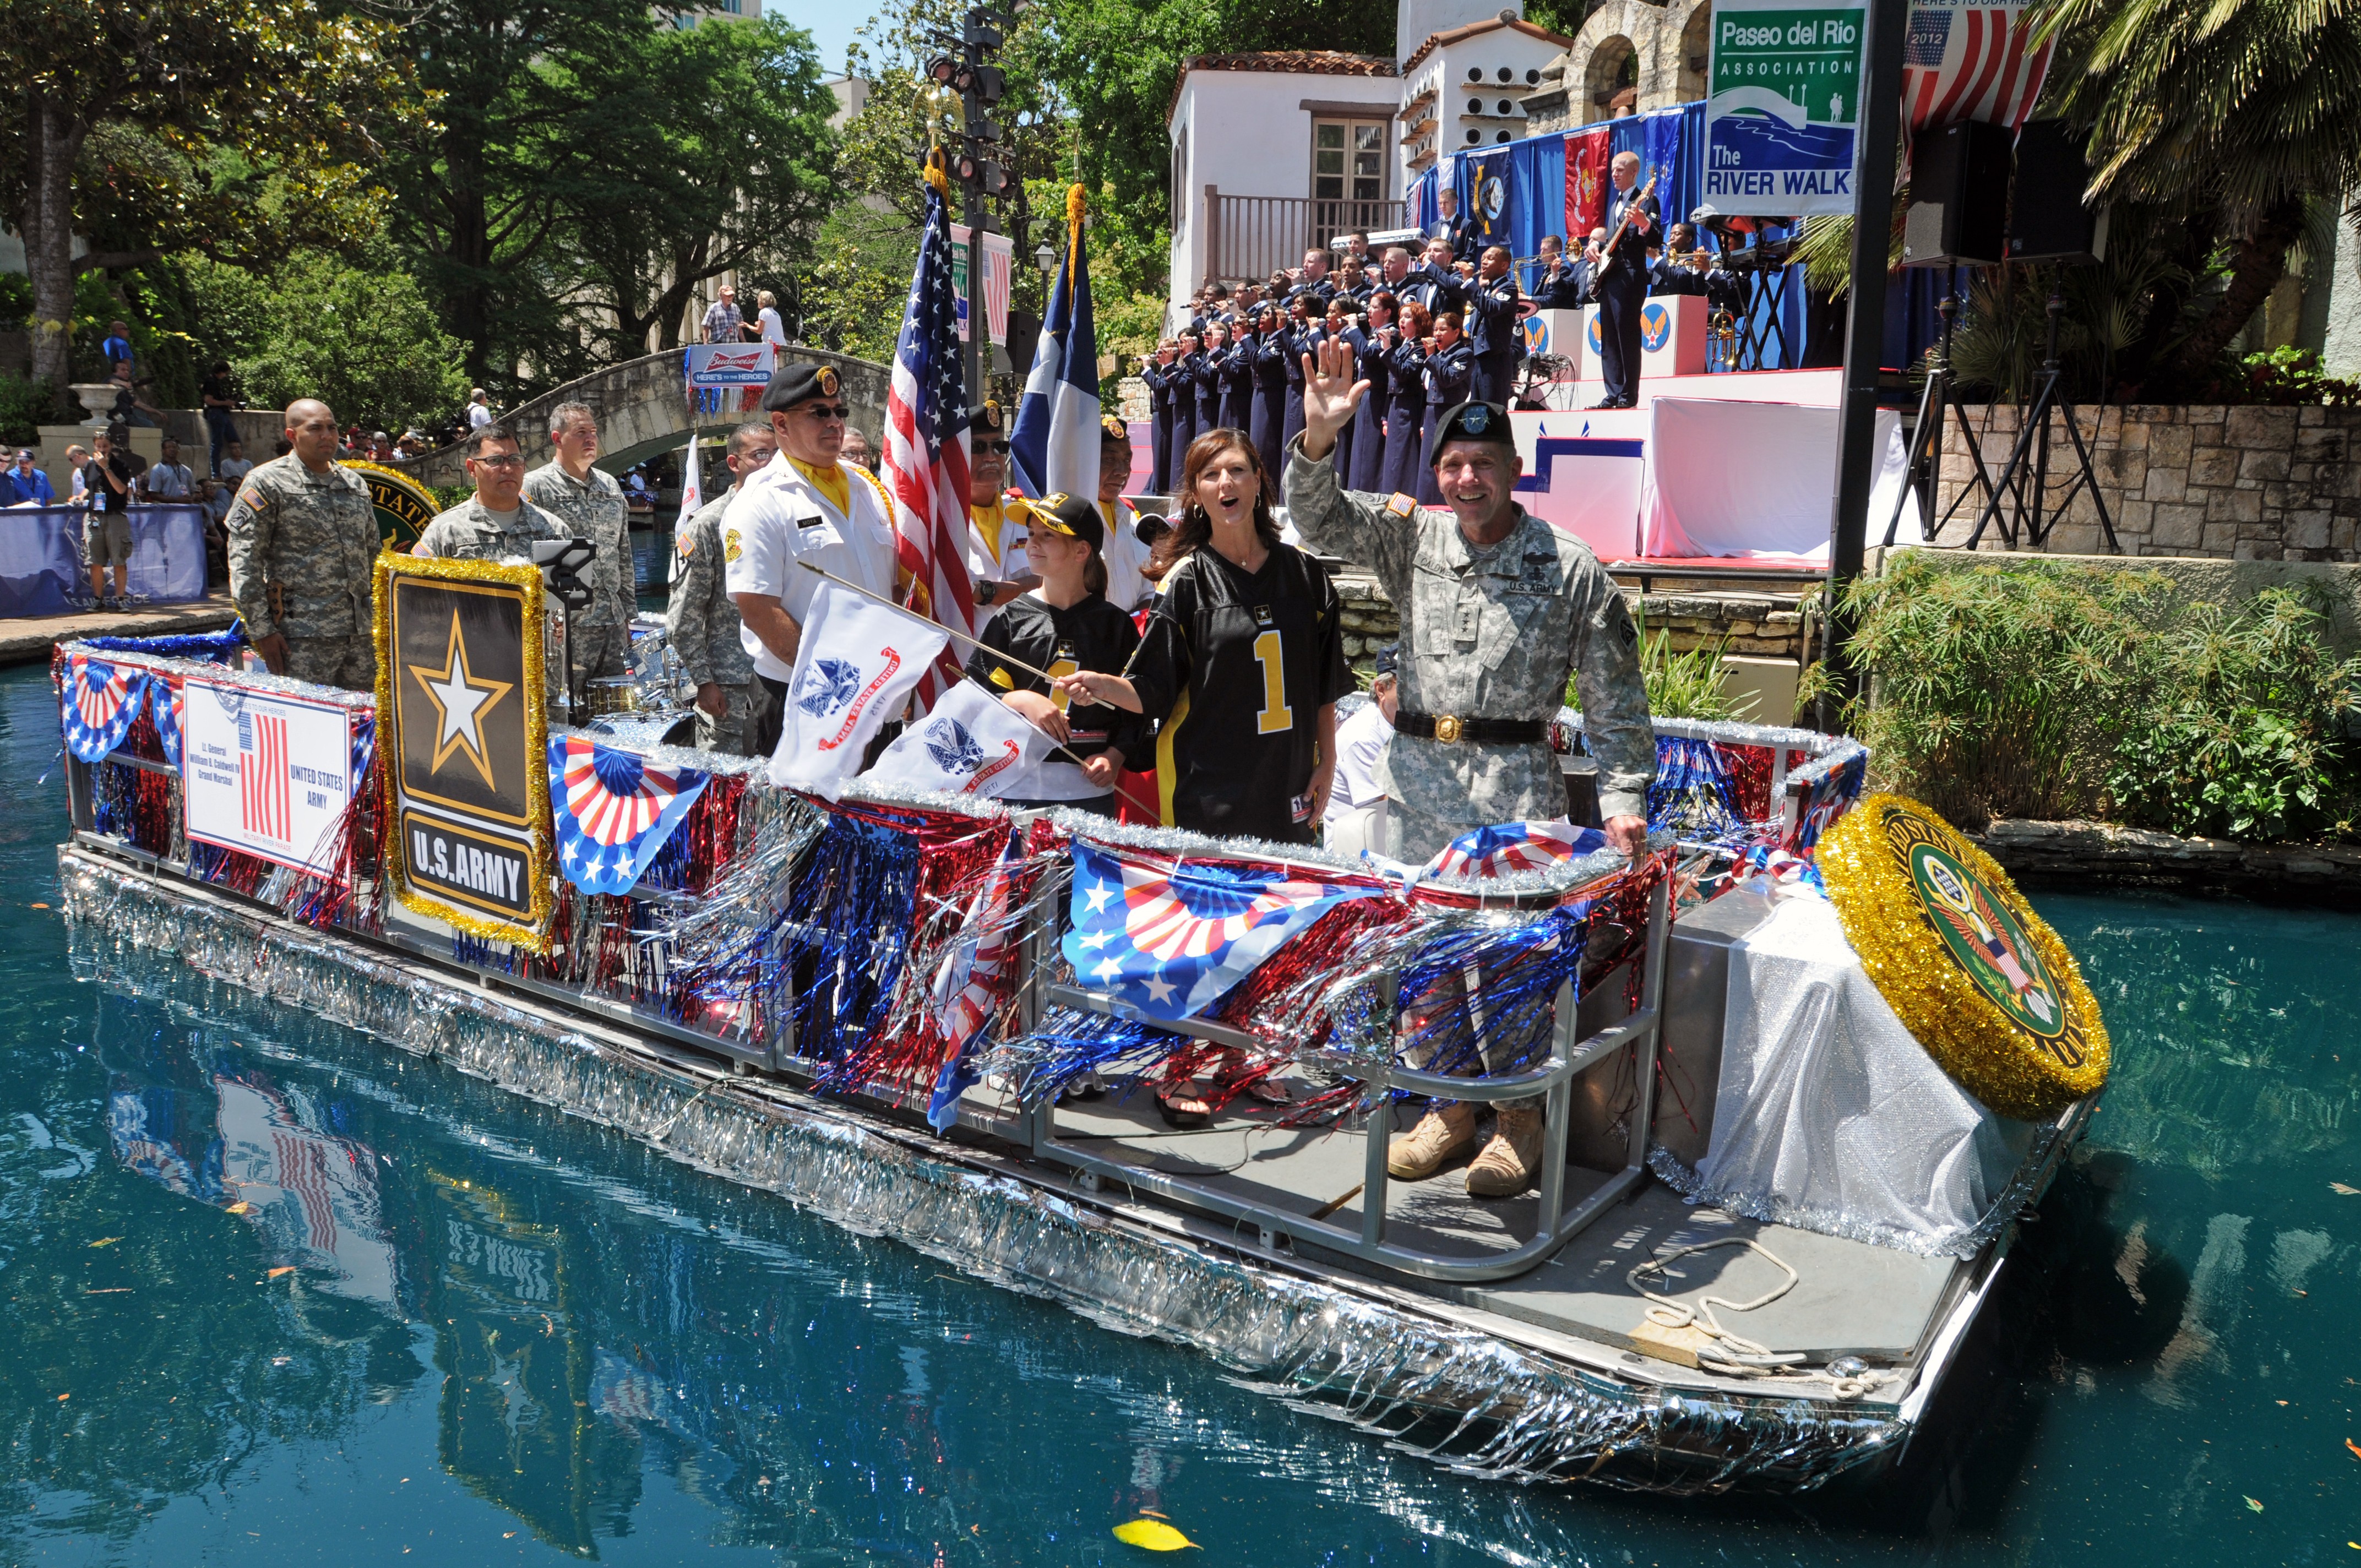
[[1986, 1052]]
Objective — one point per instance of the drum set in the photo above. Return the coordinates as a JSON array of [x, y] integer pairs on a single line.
[[645, 705]]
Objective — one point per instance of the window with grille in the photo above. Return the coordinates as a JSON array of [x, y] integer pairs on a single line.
[[1348, 160]]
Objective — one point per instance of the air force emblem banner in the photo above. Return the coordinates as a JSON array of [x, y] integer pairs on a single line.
[[855, 666], [459, 694]]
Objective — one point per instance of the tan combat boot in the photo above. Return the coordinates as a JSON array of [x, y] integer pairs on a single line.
[[1421, 1152], [1507, 1165]]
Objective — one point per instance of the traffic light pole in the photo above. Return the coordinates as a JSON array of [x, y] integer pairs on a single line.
[[1872, 227], [979, 83]]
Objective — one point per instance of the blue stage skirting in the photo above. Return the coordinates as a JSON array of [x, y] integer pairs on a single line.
[[40, 557]]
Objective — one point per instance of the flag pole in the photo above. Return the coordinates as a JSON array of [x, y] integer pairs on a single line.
[[962, 637]]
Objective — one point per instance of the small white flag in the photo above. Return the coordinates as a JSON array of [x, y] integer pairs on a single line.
[[856, 662], [970, 744], [692, 500]]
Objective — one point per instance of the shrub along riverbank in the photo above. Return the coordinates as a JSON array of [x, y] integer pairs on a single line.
[[2054, 690]]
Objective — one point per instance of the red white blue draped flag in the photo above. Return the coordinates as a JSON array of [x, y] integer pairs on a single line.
[[1055, 443], [99, 702], [1512, 847], [614, 810], [925, 443], [973, 982], [1974, 60], [1169, 938]]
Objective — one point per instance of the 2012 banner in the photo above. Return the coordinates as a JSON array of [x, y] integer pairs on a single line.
[[1783, 106]]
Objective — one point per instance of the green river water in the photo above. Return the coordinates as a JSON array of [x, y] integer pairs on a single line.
[[459, 1328]]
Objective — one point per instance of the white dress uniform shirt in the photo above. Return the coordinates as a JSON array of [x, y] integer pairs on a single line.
[[777, 519]]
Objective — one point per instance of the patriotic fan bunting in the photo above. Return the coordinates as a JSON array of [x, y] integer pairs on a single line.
[[614, 811], [164, 704], [99, 702], [1512, 847], [1168, 937]]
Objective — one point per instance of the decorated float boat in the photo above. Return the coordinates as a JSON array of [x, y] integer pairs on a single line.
[[1806, 1064]]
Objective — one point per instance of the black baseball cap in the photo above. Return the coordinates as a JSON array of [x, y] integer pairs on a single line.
[[1471, 420], [1073, 516], [799, 383]]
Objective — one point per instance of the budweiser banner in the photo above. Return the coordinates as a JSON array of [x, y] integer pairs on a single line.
[[729, 364]]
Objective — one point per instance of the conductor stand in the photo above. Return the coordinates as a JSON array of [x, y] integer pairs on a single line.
[[2033, 442], [1937, 397], [561, 562]]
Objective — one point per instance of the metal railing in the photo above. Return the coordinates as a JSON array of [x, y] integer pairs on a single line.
[[1280, 1229], [1249, 237]]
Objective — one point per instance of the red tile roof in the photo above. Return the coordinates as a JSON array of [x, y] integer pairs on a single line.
[[1453, 35]]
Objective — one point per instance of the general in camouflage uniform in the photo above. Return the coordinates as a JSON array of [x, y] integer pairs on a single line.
[[471, 532], [702, 624], [1489, 633], [591, 508], [302, 549]]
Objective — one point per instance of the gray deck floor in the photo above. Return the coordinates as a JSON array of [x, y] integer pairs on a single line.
[[1850, 1297]]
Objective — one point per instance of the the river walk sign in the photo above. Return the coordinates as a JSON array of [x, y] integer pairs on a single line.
[[1785, 99]]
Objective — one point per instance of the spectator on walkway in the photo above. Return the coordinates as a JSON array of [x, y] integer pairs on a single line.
[[479, 410], [130, 407], [235, 465], [770, 329], [27, 485], [723, 324], [77, 456], [106, 532], [219, 396], [116, 347], [169, 479]]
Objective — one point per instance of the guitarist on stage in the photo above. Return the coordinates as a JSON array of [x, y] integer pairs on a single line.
[[1622, 282]]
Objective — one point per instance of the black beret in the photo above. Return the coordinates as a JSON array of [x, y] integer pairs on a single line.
[[1073, 516], [985, 419], [1471, 420], [799, 383]]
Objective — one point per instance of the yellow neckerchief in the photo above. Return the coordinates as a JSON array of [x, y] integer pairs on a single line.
[[833, 482], [989, 523]]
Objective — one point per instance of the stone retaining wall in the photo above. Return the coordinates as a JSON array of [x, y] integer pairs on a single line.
[[2248, 484], [2078, 854]]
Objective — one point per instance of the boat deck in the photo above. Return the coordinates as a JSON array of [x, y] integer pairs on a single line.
[[1851, 1299]]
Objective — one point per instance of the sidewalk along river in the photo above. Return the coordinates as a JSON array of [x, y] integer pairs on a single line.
[[275, 1290]]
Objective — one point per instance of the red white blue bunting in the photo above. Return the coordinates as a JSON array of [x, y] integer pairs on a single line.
[[99, 704], [1512, 847], [614, 810]]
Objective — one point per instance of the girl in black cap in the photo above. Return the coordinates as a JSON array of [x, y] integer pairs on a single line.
[[1063, 626]]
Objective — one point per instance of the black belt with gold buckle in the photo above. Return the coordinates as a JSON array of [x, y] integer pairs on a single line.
[[1450, 728]]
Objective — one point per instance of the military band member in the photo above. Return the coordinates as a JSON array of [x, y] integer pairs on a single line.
[[496, 523], [302, 544], [1492, 330], [702, 623], [590, 505], [1497, 608], [806, 505]]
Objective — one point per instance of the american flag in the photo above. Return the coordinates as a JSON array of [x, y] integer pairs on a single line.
[[1964, 62], [263, 807], [925, 447]]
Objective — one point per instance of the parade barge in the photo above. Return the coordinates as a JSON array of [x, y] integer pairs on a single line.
[[866, 1007]]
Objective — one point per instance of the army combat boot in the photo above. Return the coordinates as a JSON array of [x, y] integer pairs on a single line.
[[1507, 1165], [1421, 1152]]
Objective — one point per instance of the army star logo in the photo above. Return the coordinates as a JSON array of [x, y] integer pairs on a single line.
[[460, 700]]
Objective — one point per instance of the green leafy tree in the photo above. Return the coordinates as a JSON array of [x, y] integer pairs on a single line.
[[282, 84], [691, 153], [363, 339]]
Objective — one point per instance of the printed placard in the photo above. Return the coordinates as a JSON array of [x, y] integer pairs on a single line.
[[267, 773], [1784, 102], [463, 726]]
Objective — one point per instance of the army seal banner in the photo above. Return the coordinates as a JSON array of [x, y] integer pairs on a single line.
[[402, 505], [1980, 979], [460, 674]]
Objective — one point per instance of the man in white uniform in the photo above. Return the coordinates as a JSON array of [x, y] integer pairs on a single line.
[[1356, 811], [805, 506], [1122, 552]]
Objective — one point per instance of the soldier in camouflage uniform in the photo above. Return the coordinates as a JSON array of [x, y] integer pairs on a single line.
[[302, 544], [1497, 608], [496, 522], [590, 505], [701, 619]]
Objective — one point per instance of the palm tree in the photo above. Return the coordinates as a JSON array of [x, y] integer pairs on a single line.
[[2227, 115]]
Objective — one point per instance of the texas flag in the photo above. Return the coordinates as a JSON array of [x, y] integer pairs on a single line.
[[1055, 445], [968, 743], [856, 665], [1170, 936]]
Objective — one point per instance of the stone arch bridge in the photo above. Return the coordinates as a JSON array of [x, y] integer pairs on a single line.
[[643, 409]]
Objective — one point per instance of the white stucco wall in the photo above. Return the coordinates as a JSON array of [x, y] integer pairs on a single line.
[[2340, 353], [1445, 71]]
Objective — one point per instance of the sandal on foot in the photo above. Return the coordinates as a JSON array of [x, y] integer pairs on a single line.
[[1182, 1108]]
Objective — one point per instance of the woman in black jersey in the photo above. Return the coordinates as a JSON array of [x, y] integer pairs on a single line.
[[1242, 661], [1061, 627]]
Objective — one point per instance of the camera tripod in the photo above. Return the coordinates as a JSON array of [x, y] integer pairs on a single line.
[[2033, 440], [1938, 397]]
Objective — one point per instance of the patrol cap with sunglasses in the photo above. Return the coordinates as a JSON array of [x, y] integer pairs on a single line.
[[1470, 420], [800, 383], [1073, 516]]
